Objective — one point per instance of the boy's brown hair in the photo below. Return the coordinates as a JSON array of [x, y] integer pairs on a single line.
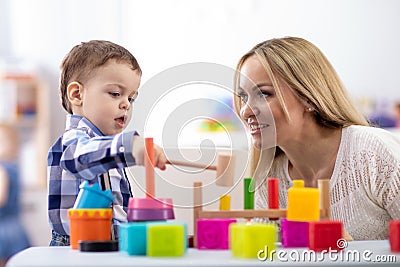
[[79, 63]]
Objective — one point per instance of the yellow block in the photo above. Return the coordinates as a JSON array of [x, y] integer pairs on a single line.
[[252, 240], [303, 203], [225, 202], [166, 239]]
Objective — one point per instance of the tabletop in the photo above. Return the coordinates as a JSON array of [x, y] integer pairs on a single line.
[[357, 253]]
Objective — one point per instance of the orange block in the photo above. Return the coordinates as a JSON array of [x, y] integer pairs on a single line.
[[149, 161], [303, 203], [89, 225]]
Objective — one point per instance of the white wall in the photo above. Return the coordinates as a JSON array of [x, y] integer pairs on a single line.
[[4, 29], [360, 37]]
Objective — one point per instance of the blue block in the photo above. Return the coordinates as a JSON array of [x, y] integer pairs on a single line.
[[132, 238]]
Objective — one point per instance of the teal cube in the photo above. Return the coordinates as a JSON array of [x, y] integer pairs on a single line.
[[167, 239], [132, 238]]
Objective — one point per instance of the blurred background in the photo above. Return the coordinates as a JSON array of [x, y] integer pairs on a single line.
[[360, 37]]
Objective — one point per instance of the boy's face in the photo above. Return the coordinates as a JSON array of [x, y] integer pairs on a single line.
[[106, 98]]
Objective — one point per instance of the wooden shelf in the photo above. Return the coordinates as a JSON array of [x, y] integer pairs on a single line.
[[24, 98]]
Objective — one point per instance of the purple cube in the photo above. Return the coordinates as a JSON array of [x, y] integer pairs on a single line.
[[213, 233], [294, 234]]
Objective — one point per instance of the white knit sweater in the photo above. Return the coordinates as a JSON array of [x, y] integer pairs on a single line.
[[365, 184]]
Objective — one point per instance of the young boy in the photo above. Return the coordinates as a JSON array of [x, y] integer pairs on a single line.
[[99, 82]]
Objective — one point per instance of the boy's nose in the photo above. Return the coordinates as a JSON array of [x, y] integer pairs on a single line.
[[125, 104]]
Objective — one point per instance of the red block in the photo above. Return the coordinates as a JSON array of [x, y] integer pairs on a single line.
[[394, 235], [326, 235], [273, 193]]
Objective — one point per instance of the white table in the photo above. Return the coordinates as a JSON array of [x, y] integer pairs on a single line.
[[369, 252]]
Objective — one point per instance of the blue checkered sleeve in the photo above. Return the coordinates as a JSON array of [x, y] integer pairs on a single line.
[[87, 157], [84, 153]]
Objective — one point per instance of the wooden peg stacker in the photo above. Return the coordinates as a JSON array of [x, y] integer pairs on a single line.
[[150, 208], [225, 168]]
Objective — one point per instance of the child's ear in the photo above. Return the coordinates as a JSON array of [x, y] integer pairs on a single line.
[[74, 93]]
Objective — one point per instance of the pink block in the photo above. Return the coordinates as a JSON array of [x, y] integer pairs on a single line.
[[213, 233], [294, 234]]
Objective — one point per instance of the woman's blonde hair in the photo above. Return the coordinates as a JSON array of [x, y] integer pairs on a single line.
[[308, 73]]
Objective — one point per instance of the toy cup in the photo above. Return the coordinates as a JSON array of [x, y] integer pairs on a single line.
[[92, 197], [89, 225]]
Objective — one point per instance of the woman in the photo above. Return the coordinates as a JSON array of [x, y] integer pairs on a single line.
[[304, 126]]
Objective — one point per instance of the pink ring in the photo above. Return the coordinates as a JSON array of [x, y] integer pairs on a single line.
[[150, 203]]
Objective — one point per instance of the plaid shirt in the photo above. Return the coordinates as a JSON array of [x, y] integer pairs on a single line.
[[84, 153]]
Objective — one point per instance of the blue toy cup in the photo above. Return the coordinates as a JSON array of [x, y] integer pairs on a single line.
[[92, 197]]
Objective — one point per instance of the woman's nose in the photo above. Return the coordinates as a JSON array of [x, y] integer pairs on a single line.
[[248, 110]]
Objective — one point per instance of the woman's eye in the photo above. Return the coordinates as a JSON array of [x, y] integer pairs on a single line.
[[264, 94], [131, 99], [243, 97]]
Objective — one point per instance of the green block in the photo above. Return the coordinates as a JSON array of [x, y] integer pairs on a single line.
[[248, 193], [252, 240], [166, 239]]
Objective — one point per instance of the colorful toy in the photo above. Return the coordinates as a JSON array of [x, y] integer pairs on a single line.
[[91, 216], [89, 225], [325, 203], [213, 233], [251, 240], [92, 197], [225, 202], [199, 213], [394, 235], [149, 166], [248, 194], [225, 168], [133, 238], [325, 235], [245, 240], [150, 208], [147, 232], [303, 203], [166, 239], [323, 185], [294, 234], [272, 213], [273, 194]]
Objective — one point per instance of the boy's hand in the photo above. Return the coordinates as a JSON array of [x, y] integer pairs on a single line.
[[159, 158], [138, 153]]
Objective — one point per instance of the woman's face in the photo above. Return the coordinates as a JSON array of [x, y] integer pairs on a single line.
[[262, 111]]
